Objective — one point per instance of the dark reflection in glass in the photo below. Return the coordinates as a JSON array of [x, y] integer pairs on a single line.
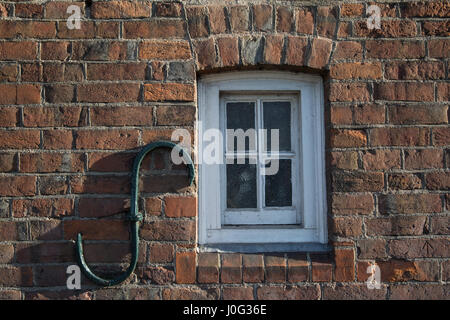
[[277, 115], [279, 186], [240, 115], [241, 185]]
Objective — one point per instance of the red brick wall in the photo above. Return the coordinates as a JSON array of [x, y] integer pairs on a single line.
[[76, 105]]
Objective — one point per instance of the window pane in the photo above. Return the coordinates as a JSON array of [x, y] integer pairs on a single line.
[[279, 186], [241, 185], [277, 115], [241, 116]]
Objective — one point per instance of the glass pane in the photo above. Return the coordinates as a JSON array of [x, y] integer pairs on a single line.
[[279, 185], [277, 115], [240, 118], [241, 185]]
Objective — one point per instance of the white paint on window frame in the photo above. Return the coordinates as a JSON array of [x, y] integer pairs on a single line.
[[313, 190]]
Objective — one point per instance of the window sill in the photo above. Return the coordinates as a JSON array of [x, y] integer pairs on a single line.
[[264, 247]]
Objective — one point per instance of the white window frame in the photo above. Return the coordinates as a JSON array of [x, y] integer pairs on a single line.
[[309, 89]]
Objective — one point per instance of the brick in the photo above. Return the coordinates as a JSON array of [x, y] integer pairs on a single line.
[[107, 30], [208, 268], [285, 19], [20, 94], [108, 92], [419, 248], [51, 162], [438, 180], [27, 29], [436, 114], [231, 271], [46, 230], [181, 71], [49, 117], [320, 53], [439, 48], [443, 92], [419, 292], [440, 225], [206, 53], [423, 159], [399, 136], [96, 229], [297, 268], [262, 17], [217, 19], [253, 270], [6, 253], [153, 29], [58, 10], [381, 159], [341, 115], [169, 230], [185, 267], [305, 21], [275, 268], [371, 249], [239, 18], [153, 206], [197, 21], [169, 92], [102, 207], [161, 253], [167, 9], [163, 49], [353, 292], [13, 231], [116, 71], [345, 160], [404, 182], [190, 294], [87, 31], [229, 51], [7, 162], [121, 9], [347, 138], [100, 184], [321, 267], [8, 117], [57, 139], [158, 275], [252, 50], [389, 29], [46, 252], [237, 293], [177, 207], [326, 21], [16, 277], [441, 136], [347, 50], [349, 92], [369, 114], [386, 49], [356, 70], [288, 293], [396, 226], [23, 139], [415, 70], [352, 9], [296, 50], [31, 72], [346, 227], [404, 91], [23, 50], [352, 204], [425, 9], [409, 203], [59, 93], [50, 185], [345, 265], [357, 181], [45, 207], [29, 10], [8, 72], [121, 116], [4, 10]]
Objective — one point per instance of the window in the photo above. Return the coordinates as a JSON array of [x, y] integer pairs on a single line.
[[265, 188]]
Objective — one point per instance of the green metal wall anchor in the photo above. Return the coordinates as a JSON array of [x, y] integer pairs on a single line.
[[134, 216]]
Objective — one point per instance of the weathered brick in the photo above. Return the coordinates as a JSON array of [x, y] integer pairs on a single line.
[[296, 51], [288, 293], [262, 17], [419, 248], [381, 159], [438, 180], [253, 269], [231, 271], [185, 267], [51, 162], [163, 49], [349, 92], [305, 21], [169, 230], [357, 181], [412, 136], [57, 139], [387, 49], [169, 92], [121, 9], [239, 18], [45, 207], [352, 204], [152, 29], [356, 70]]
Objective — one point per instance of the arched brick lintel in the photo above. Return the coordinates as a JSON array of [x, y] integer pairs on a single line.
[[286, 52]]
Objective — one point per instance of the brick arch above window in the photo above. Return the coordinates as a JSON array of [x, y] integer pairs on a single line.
[[235, 52]]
